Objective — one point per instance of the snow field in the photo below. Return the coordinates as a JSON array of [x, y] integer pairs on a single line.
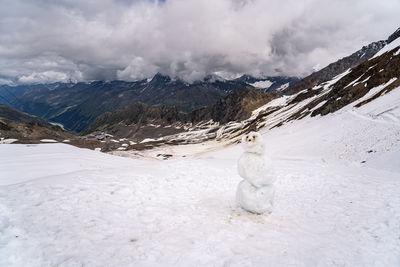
[[182, 213]]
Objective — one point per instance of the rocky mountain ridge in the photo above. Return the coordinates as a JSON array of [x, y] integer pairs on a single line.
[[334, 69], [8, 114]]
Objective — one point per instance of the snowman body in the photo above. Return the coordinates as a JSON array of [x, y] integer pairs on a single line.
[[255, 199], [256, 169], [256, 192]]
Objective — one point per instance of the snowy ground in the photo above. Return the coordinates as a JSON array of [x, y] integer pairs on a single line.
[[337, 201]]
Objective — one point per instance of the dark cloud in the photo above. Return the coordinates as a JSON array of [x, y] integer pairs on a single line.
[[60, 40]]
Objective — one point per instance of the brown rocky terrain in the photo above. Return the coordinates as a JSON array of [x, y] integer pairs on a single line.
[[129, 121], [370, 74], [235, 107]]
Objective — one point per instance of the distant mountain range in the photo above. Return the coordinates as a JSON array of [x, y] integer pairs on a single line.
[[75, 106]]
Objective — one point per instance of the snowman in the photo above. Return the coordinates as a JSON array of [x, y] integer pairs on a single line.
[[256, 192]]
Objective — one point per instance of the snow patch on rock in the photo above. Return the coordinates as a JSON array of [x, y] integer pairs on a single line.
[[262, 84]]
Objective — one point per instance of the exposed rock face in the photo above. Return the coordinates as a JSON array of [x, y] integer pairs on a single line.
[[30, 132], [162, 90], [235, 107], [394, 36], [132, 120]]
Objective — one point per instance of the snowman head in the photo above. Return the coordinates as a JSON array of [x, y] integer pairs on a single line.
[[253, 143]]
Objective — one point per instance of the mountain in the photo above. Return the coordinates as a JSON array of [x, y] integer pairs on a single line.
[[237, 106], [379, 75], [341, 65], [75, 106], [162, 90], [140, 121], [9, 115]]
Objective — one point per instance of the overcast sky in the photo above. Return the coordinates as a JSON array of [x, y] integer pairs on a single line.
[[61, 40]]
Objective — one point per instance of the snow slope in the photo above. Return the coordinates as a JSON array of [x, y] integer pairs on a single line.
[[337, 200], [388, 47], [262, 84]]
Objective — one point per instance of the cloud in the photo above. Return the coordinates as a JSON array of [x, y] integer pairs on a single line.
[[46, 40]]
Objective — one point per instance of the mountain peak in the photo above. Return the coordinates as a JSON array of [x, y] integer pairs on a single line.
[[159, 80], [159, 77]]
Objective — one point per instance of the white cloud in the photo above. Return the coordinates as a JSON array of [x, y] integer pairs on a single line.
[[128, 39], [138, 68]]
